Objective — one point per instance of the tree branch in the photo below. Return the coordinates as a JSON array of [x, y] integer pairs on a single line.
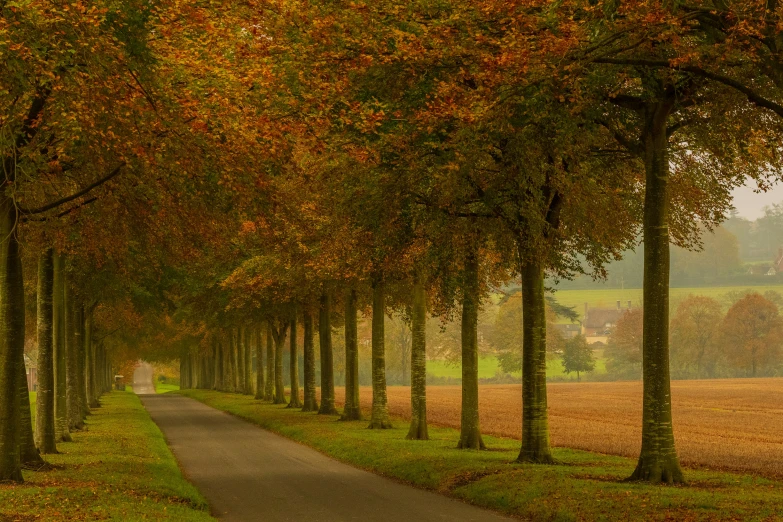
[[76, 195]]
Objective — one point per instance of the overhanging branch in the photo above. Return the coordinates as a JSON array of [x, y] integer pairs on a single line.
[[75, 195]]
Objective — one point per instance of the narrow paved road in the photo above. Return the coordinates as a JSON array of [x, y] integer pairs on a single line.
[[248, 473]]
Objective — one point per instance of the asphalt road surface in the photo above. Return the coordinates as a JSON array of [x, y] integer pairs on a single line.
[[247, 473]]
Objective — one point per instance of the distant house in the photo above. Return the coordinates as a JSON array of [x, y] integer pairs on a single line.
[[598, 323], [568, 331], [762, 270], [31, 370]]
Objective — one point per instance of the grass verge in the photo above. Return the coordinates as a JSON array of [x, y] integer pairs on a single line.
[[120, 468], [161, 387], [585, 486]]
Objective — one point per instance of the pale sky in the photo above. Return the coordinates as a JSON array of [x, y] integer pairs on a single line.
[[751, 205]]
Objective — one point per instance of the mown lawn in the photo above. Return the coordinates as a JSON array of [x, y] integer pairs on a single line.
[[584, 486], [120, 468]]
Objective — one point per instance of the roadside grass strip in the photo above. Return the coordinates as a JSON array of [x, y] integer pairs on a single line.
[[119, 468], [583, 486]]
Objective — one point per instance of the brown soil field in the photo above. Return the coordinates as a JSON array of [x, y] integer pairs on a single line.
[[730, 424]]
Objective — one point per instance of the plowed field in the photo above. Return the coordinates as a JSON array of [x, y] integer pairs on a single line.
[[732, 424]]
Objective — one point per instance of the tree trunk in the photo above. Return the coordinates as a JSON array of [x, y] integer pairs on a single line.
[[269, 392], [11, 343], [310, 403], [658, 459], [470, 433], [73, 408], [352, 409], [92, 355], [380, 410], [535, 422], [248, 363], [327, 366], [279, 347], [61, 433], [260, 363], [44, 401], [418, 429], [293, 364], [81, 361], [29, 455]]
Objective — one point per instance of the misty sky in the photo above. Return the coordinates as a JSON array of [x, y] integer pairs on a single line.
[[751, 205]]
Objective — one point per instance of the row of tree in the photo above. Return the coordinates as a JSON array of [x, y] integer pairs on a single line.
[[707, 342], [273, 162]]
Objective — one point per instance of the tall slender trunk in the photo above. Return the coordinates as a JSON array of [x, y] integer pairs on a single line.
[[216, 364], [352, 409], [658, 458], [29, 455], [259, 363], [310, 402], [92, 355], [293, 365], [248, 362], [235, 360], [44, 400], [59, 310], [418, 429], [380, 410], [241, 382], [81, 360], [279, 347], [73, 408], [327, 366], [269, 391], [535, 423], [470, 432]]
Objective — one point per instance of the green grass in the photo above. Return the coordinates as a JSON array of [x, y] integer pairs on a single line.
[[489, 366], [607, 298], [585, 486], [120, 468], [161, 387]]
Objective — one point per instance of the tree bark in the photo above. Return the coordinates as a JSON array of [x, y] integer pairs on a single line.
[[269, 391], [260, 363], [293, 365], [470, 433], [58, 304], [418, 428], [658, 458], [327, 365], [81, 356], [44, 401], [352, 409], [248, 363], [73, 407], [92, 356], [535, 422], [29, 455], [310, 403], [380, 411], [279, 335]]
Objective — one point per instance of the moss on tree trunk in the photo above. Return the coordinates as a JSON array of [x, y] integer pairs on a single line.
[[658, 458], [535, 423], [352, 409], [310, 402], [380, 410], [327, 365], [418, 428], [470, 431], [279, 336]]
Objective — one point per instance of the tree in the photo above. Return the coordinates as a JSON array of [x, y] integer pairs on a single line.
[[752, 333], [578, 356], [695, 331], [624, 349]]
